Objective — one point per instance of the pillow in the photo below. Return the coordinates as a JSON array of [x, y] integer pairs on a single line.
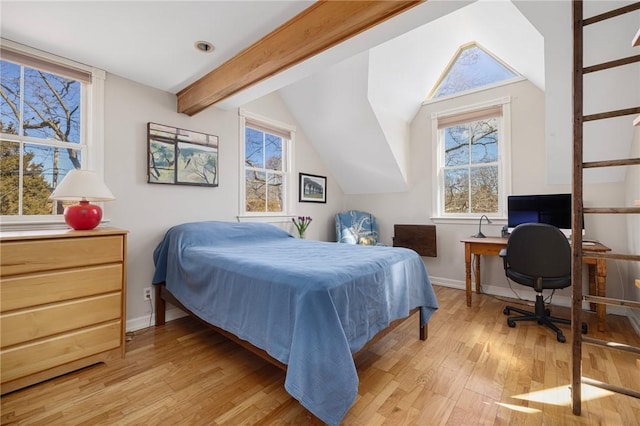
[[367, 241], [347, 236]]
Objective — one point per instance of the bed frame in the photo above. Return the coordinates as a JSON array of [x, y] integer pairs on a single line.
[[163, 296]]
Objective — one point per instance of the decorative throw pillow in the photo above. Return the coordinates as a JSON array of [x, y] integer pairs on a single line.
[[347, 236], [367, 241]]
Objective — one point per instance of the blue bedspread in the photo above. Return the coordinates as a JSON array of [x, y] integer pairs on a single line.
[[309, 304]]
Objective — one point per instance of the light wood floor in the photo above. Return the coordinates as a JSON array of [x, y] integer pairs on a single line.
[[472, 370]]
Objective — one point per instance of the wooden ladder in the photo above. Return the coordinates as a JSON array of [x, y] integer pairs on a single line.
[[579, 70]]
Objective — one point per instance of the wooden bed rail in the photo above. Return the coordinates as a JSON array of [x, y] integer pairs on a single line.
[[162, 296]]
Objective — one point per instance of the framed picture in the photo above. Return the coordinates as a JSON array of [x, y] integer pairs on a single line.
[[181, 157], [313, 188]]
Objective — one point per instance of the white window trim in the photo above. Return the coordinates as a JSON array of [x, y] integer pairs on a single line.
[[92, 104], [289, 194], [492, 86], [504, 161]]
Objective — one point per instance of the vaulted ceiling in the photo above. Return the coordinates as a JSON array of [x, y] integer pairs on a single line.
[[362, 107], [355, 101]]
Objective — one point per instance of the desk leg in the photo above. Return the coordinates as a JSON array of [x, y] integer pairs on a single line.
[[467, 268], [593, 286], [601, 290], [478, 285]]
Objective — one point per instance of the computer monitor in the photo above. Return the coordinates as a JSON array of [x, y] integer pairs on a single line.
[[553, 209]]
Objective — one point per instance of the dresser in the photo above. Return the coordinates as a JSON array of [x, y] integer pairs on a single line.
[[62, 302]]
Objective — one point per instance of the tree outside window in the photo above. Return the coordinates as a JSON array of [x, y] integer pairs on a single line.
[[264, 171], [40, 121], [472, 67], [471, 168]]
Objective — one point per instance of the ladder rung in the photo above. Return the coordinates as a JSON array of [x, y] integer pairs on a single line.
[[611, 301], [611, 14], [619, 256], [612, 388], [612, 345], [611, 64], [611, 163], [611, 114], [614, 210]]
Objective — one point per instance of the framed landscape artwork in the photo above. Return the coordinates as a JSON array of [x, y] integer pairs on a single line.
[[181, 157], [313, 188]]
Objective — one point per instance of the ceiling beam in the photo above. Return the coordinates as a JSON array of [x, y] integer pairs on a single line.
[[321, 26]]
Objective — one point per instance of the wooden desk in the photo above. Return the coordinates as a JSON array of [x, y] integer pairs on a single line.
[[491, 246]]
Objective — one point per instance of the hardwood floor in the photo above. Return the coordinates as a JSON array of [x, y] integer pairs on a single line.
[[472, 370]]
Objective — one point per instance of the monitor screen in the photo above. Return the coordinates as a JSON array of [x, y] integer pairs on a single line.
[[553, 209]]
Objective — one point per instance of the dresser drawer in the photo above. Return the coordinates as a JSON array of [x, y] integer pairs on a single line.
[[20, 361], [37, 289], [21, 257], [62, 302], [30, 324]]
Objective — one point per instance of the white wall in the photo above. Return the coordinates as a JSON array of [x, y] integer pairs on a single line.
[[633, 225], [529, 175], [148, 210]]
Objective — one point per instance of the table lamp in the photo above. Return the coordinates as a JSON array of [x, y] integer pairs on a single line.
[[480, 234], [82, 186]]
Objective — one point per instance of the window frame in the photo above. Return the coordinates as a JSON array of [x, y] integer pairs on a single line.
[[91, 143], [504, 158], [287, 132], [516, 78]]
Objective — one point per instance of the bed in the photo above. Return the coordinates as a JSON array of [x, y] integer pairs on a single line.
[[307, 306]]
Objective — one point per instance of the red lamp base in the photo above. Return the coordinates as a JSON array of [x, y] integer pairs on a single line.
[[83, 216]]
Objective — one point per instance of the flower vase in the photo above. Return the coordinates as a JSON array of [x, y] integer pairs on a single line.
[[301, 235]]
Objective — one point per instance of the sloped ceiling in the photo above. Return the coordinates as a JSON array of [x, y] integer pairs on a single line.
[[358, 112], [150, 42], [358, 121], [344, 129]]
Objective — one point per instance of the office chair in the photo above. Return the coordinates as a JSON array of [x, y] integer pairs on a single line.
[[539, 256]]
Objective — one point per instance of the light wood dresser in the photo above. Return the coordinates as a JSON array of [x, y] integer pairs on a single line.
[[62, 302]]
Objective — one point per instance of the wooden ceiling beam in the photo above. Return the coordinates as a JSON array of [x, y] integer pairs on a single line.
[[321, 26]]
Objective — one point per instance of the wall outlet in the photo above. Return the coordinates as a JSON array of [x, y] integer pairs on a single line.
[[146, 293]]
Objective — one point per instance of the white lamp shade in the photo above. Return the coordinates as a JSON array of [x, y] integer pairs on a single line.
[[79, 185]]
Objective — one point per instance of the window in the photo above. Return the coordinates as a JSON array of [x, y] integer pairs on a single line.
[[471, 68], [46, 129], [266, 181], [472, 160]]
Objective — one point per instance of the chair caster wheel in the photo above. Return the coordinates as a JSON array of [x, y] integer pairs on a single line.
[[585, 328], [561, 338], [506, 311], [548, 312], [511, 323]]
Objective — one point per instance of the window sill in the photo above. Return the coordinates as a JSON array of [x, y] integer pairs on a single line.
[[269, 218], [467, 220]]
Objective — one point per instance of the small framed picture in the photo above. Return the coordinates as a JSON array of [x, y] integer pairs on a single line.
[[313, 188]]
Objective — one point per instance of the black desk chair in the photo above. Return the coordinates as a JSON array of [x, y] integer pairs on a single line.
[[539, 256]]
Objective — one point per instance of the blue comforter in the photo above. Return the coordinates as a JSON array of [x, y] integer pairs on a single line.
[[309, 304]]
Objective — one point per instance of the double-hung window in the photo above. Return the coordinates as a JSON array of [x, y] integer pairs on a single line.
[[266, 156], [472, 166], [50, 120]]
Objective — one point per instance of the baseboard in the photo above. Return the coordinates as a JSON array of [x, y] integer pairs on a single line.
[[634, 319], [149, 320], [447, 282], [145, 321], [530, 296]]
